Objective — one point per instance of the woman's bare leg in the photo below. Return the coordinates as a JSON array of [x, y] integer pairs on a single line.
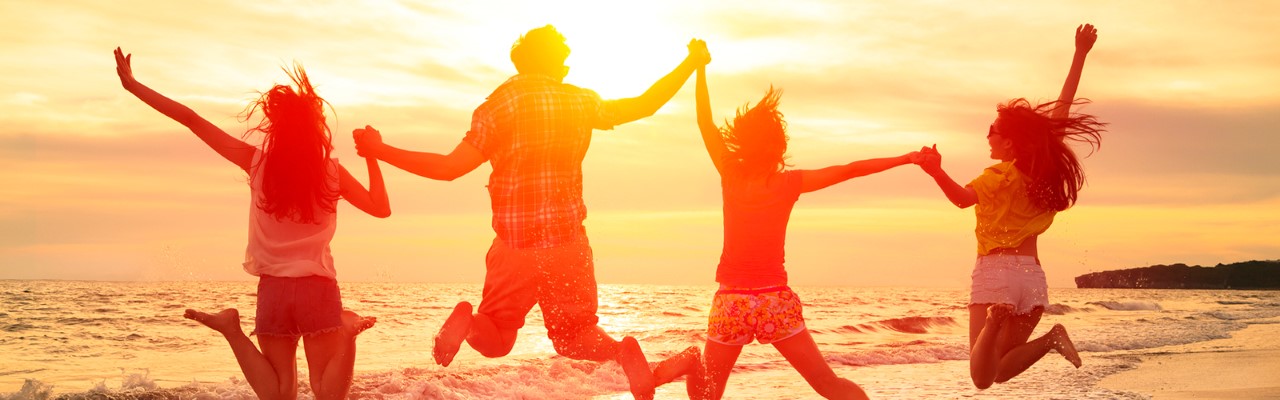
[[984, 357], [719, 360], [273, 372], [687, 363], [803, 354], [1023, 355], [331, 357]]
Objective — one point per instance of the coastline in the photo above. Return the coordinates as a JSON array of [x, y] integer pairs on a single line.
[[1244, 366]]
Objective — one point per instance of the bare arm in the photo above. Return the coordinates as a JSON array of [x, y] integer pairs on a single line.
[[1086, 35], [229, 147], [372, 201], [711, 136], [442, 167], [660, 93], [931, 163], [811, 180]]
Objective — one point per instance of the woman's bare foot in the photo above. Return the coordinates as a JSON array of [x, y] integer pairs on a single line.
[[696, 384], [1062, 343], [225, 322], [636, 367], [452, 334], [684, 363], [354, 324]]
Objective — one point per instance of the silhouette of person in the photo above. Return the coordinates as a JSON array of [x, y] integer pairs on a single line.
[[534, 130], [1038, 176], [295, 187], [754, 302]]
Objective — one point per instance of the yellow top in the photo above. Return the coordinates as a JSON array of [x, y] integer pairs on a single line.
[[1006, 216]]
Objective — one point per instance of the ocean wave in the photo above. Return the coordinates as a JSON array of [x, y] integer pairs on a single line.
[[914, 354], [1154, 334], [18, 327], [1061, 309], [1127, 305], [904, 325], [1233, 302], [553, 379]]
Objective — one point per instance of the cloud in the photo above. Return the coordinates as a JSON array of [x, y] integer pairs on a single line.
[[97, 177]]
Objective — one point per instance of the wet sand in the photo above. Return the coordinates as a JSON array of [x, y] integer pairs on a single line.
[[1244, 366]]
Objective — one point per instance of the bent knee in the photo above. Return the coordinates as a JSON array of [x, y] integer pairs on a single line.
[[983, 384], [494, 351]]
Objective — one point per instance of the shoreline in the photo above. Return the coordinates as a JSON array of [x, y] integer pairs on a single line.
[[1244, 366]]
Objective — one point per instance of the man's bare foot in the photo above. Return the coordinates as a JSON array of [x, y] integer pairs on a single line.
[[997, 313], [452, 334], [354, 324], [636, 367], [1062, 343], [225, 322]]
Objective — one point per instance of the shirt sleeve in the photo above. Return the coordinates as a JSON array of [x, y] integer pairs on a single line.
[[986, 185], [481, 135], [607, 111], [791, 182]]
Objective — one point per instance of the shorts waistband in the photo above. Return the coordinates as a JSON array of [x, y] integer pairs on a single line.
[[1018, 257], [736, 290]]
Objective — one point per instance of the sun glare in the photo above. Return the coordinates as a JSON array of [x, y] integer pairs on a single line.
[[620, 57]]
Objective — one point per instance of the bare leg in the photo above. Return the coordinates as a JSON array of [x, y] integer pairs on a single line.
[[983, 356], [1027, 354], [273, 372], [331, 357], [687, 363], [452, 333], [804, 356], [719, 360], [636, 367], [486, 338]]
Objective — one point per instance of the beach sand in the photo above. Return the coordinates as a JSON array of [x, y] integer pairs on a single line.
[[1244, 366]]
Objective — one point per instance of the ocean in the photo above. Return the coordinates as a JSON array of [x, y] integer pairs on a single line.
[[128, 340]]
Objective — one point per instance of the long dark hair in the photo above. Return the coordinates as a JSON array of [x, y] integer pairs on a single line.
[[296, 146], [1040, 134], [756, 140]]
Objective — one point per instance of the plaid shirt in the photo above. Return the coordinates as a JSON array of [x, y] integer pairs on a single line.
[[535, 131]]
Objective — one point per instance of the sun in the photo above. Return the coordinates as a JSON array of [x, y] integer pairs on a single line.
[[621, 56]]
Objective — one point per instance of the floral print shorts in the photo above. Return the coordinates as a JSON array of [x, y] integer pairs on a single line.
[[740, 315]]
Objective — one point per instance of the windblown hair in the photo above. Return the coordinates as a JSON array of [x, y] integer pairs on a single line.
[[1040, 135], [296, 145], [757, 138], [541, 50]]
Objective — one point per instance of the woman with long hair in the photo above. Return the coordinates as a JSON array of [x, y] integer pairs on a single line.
[[1038, 176], [754, 303], [295, 187]]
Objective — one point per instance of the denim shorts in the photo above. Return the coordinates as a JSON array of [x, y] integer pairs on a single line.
[[296, 307], [1009, 279]]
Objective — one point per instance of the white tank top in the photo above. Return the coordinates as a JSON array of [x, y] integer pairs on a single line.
[[286, 248]]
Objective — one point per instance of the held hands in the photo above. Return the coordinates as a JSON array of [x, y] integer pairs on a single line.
[[367, 139], [698, 53], [928, 159], [124, 68], [1086, 35]]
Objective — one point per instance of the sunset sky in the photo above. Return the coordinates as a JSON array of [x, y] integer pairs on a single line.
[[101, 187]]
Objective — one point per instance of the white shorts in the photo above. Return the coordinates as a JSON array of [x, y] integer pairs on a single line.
[[1009, 279]]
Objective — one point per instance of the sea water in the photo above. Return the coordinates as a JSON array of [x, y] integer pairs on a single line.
[[67, 339]]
